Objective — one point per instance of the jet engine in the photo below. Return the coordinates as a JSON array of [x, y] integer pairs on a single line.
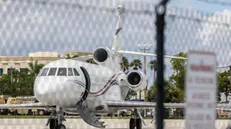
[[103, 55], [134, 79]]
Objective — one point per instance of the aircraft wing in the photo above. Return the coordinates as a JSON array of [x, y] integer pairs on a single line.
[[83, 58], [150, 54], [90, 56], [142, 104], [24, 106]]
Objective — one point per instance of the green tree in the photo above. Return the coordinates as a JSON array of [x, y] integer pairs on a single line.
[[173, 94], [136, 64], [124, 64], [91, 61], [178, 66], [130, 94], [35, 68], [153, 66], [223, 84], [17, 82], [68, 56], [5, 85]]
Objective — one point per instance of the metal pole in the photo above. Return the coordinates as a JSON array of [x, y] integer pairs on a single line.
[[160, 23], [230, 81], [147, 47], [145, 90]]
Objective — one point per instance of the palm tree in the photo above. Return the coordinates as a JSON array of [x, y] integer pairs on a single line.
[[136, 64], [91, 61], [35, 68], [74, 56], [153, 66], [68, 56], [124, 64]]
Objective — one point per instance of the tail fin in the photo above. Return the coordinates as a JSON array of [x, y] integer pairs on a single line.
[[117, 45]]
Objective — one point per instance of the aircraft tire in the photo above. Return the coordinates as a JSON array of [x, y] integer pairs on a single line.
[[61, 126], [53, 123], [138, 123], [132, 123]]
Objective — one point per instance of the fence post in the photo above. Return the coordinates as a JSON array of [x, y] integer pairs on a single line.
[[160, 10]]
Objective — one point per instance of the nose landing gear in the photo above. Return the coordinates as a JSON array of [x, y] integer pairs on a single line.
[[56, 119], [136, 121]]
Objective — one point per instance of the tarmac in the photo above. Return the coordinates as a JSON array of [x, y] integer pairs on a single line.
[[80, 124]]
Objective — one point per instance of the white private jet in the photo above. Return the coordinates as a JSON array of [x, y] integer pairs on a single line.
[[73, 86]]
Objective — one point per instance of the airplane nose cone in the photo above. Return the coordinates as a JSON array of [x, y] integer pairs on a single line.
[[41, 91], [61, 92]]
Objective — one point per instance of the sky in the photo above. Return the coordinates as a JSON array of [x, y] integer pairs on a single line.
[[83, 25]]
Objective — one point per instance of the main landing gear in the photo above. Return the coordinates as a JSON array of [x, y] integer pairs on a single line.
[[136, 121], [56, 119]]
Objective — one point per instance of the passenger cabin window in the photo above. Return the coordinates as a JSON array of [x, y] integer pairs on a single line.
[[44, 72], [52, 72], [75, 72], [62, 72], [70, 73]]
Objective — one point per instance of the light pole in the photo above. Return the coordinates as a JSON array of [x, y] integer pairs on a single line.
[[144, 48]]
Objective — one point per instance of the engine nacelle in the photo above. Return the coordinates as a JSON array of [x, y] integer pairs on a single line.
[[103, 55], [134, 79]]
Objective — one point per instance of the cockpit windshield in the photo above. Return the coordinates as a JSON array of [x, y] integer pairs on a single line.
[[62, 71], [52, 72], [70, 73], [44, 72]]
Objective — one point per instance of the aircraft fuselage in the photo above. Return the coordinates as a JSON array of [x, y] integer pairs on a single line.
[[62, 82]]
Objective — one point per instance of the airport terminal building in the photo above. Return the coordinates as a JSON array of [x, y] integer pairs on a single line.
[[8, 63]]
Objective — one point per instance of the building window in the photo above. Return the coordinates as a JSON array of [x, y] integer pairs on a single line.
[[17, 63], [1, 71], [5, 63], [9, 70]]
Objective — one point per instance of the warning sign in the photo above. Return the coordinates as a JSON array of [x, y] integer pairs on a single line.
[[201, 88]]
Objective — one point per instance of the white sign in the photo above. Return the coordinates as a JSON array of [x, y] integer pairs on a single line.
[[201, 88]]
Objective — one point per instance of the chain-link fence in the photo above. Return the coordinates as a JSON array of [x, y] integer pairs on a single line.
[[81, 26]]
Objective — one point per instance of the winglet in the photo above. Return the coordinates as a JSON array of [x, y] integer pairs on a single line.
[[119, 28]]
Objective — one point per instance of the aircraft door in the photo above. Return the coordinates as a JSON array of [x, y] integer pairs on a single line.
[[87, 82]]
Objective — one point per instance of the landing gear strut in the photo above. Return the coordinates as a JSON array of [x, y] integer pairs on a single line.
[[135, 121], [56, 119]]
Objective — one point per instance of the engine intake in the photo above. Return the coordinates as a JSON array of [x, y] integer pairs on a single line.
[[100, 55], [136, 80], [103, 56]]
